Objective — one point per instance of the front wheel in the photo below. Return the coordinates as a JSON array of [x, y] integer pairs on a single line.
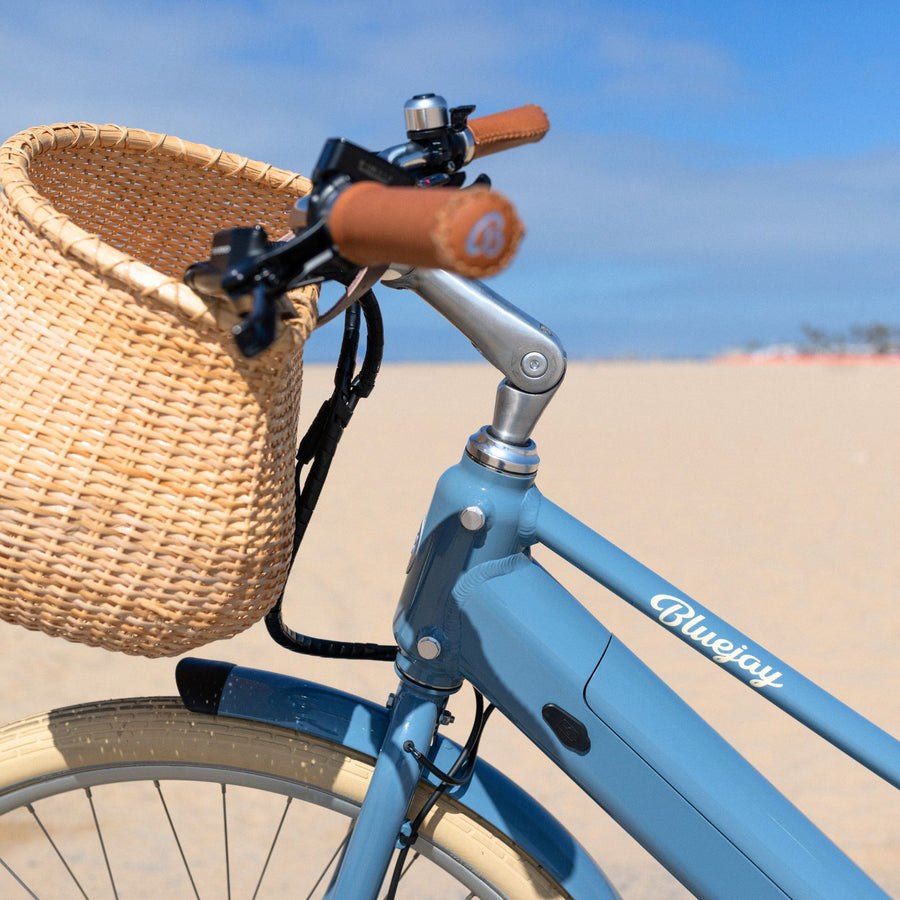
[[142, 798]]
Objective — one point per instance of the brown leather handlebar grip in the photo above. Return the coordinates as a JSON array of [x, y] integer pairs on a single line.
[[473, 232], [512, 128]]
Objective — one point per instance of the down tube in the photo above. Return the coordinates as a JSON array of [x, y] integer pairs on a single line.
[[635, 746]]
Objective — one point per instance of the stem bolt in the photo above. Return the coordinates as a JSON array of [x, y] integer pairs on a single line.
[[534, 364]]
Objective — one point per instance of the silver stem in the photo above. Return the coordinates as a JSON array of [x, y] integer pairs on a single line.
[[529, 355]]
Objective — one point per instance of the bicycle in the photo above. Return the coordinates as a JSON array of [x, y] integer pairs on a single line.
[[474, 606]]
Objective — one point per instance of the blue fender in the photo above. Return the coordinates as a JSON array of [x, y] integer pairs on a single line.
[[224, 689]]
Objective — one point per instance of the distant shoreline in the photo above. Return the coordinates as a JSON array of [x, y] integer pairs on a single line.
[[727, 359], [795, 359]]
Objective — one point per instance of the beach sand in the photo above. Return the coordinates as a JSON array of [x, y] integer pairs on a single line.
[[768, 493]]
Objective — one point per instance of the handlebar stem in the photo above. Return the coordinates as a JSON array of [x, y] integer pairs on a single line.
[[528, 354]]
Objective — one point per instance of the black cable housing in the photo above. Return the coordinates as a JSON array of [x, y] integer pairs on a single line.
[[317, 450]]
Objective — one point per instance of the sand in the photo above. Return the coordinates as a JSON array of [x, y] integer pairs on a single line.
[[768, 493]]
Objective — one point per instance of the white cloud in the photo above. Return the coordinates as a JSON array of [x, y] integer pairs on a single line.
[[628, 198], [268, 79], [643, 67]]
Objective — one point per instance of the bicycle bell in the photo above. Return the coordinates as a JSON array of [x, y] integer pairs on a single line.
[[424, 113]]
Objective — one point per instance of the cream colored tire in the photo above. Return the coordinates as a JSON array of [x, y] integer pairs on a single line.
[[160, 802]]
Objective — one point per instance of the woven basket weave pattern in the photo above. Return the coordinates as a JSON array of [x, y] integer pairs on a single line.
[[146, 497]]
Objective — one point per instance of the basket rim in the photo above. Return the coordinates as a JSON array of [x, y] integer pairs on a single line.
[[19, 151]]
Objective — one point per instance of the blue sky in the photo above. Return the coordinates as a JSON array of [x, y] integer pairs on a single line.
[[716, 173]]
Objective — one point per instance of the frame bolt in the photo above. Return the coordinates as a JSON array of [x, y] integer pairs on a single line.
[[534, 364], [472, 518], [428, 647]]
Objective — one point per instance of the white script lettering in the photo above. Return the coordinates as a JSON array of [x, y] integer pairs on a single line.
[[679, 615]]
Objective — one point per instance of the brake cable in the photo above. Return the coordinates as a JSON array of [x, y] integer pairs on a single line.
[[459, 774]]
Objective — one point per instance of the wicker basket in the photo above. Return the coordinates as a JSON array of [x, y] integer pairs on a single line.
[[146, 496]]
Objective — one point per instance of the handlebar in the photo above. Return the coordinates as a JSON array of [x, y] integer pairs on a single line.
[[504, 130], [473, 233]]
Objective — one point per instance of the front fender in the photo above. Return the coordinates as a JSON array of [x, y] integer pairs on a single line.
[[224, 689]]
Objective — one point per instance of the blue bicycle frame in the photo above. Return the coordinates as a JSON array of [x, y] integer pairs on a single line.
[[602, 716], [503, 623], [477, 607]]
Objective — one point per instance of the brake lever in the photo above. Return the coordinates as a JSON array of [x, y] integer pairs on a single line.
[[256, 331], [245, 263]]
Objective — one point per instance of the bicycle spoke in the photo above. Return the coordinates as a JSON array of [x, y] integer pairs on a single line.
[[338, 852], [21, 883], [416, 857], [56, 849], [112, 881], [409, 865], [272, 847], [395, 881], [187, 867], [225, 829]]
